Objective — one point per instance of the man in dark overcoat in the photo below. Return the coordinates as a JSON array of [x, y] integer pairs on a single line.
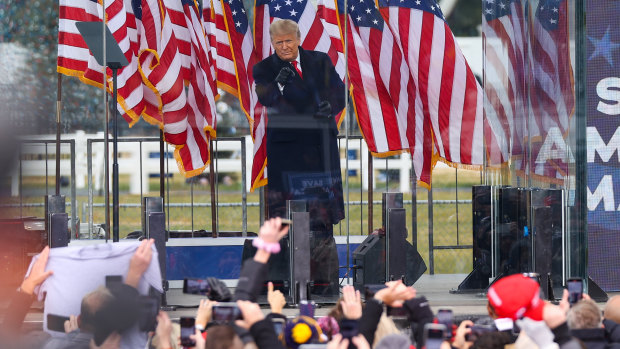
[[303, 95]]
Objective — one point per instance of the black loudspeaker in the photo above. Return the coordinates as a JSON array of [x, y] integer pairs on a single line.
[[388, 201], [396, 233], [157, 231], [369, 262], [547, 222], [482, 265], [513, 235], [301, 257], [53, 204], [58, 233], [150, 204]]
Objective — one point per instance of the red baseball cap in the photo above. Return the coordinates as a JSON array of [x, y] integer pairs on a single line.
[[516, 296]]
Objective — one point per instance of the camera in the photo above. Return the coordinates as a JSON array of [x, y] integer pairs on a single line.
[[371, 289], [226, 312], [211, 287], [477, 331]]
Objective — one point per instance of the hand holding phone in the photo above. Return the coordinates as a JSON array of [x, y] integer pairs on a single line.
[[349, 328], [477, 331], [575, 290], [226, 312], [278, 325], [56, 323], [434, 335], [195, 286], [188, 328], [445, 317]]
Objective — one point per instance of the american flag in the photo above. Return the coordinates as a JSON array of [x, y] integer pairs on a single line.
[[150, 51], [160, 65], [447, 91], [181, 32], [383, 89], [505, 90], [74, 58], [241, 45], [327, 11], [313, 37], [73, 54], [191, 132], [224, 61], [552, 94], [208, 23]]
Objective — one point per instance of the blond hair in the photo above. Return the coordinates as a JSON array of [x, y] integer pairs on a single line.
[[284, 26]]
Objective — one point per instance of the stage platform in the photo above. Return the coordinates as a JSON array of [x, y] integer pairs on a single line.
[[435, 287]]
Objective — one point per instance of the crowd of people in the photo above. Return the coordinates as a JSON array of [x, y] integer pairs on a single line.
[[518, 317]]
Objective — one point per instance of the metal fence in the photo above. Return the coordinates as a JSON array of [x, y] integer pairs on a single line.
[[427, 218]]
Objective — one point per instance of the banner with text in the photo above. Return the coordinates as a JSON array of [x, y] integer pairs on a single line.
[[603, 135]]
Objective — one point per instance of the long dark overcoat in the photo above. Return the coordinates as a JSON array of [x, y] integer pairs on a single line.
[[303, 161]]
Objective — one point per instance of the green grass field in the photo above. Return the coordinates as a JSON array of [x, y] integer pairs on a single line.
[[447, 229]]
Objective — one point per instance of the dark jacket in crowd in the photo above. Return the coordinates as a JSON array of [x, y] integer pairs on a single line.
[[612, 330], [251, 279], [265, 336], [594, 338]]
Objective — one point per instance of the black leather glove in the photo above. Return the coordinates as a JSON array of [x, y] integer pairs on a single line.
[[324, 111], [285, 75]]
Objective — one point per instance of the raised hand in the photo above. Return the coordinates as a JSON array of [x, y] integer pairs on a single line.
[[351, 303], [37, 274], [285, 75]]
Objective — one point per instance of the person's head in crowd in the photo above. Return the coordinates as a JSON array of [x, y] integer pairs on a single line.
[[515, 296], [223, 337], [385, 327], [612, 309], [336, 310], [302, 330], [493, 340], [329, 326], [91, 304], [167, 334], [583, 315], [393, 341]]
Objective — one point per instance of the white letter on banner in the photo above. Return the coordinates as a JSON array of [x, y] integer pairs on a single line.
[[554, 147], [609, 90], [596, 144], [605, 192]]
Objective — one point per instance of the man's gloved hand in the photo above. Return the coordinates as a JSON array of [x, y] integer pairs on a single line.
[[324, 111], [285, 75]]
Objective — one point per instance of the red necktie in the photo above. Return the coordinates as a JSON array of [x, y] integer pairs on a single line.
[[297, 68]]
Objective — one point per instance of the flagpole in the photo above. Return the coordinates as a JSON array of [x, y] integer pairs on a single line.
[[106, 154], [346, 137], [58, 109]]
